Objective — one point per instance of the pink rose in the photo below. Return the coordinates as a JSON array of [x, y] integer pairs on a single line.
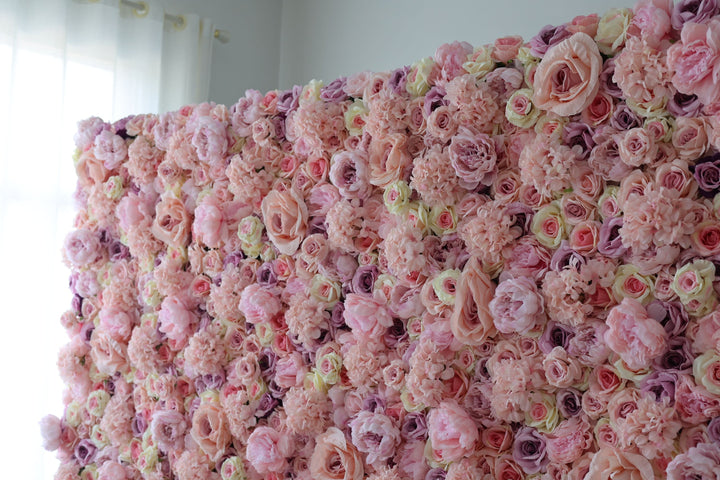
[[268, 449], [561, 370], [258, 304], [471, 321], [696, 60], [290, 371], [134, 210], [637, 147], [210, 429], [452, 432], [109, 355], [566, 81], [367, 317], [690, 138], [172, 222], [334, 458], [506, 48], [285, 216], [608, 463], [168, 430], [634, 336]]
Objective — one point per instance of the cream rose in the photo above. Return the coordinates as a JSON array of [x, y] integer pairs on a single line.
[[566, 80]]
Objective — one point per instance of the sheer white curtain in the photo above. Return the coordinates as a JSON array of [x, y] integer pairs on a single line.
[[62, 61]]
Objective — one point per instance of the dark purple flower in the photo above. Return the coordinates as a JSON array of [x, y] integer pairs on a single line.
[[363, 282], [569, 402], [607, 83], [396, 333], [521, 216], [696, 11], [414, 426], [549, 36], [289, 99], [76, 304], [266, 275], [555, 335], [434, 98], [713, 429], [86, 331], [278, 122], [120, 127], [266, 361], [266, 405], [373, 403], [565, 257], [707, 175], [276, 390], [337, 318], [610, 242], [398, 80], [436, 474], [85, 452], [138, 424], [671, 315], [579, 136], [682, 105], [623, 118], [529, 450], [661, 385], [317, 225], [677, 357], [118, 251], [334, 92]]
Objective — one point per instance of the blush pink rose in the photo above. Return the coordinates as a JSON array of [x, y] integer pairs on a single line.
[[695, 59], [566, 80], [367, 317], [634, 336], [471, 321], [285, 215], [506, 48], [172, 222], [610, 463], [168, 430], [210, 429], [452, 432], [334, 458], [268, 449]]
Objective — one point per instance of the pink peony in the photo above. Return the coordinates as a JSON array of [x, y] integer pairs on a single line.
[[367, 317], [634, 336], [168, 430], [517, 306], [452, 432], [258, 304], [268, 449], [374, 434], [695, 60]]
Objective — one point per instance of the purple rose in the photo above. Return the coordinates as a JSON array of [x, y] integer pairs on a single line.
[[713, 430], [521, 216], [476, 403], [671, 315], [434, 98], [209, 381], [610, 242], [85, 452], [349, 173], [363, 282], [118, 251], [337, 318], [549, 36], [76, 304], [317, 225], [436, 474], [707, 175], [623, 118], [139, 424], [474, 158], [569, 402], [266, 405], [579, 136], [696, 11], [555, 335], [682, 105], [661, 385], [289, 99], [396, 333], [398, 80], [334, 92], [529, 451], [678, 356], [607, 82], [565, 257], [373, 403], [168, 428], [266, 275], [414, 426], [266, 361], [234, 259]]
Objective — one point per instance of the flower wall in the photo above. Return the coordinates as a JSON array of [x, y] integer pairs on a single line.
[[498, 262]]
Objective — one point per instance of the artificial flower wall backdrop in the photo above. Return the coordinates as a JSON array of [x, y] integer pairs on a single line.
[[497, 262]]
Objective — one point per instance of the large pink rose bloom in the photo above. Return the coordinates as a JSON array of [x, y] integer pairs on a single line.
[[452, 432], [696, 61], [285, 215], [634, 336], [268, 449], [566, 80]]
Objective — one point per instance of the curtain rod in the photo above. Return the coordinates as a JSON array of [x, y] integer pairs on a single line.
[[142, 8]]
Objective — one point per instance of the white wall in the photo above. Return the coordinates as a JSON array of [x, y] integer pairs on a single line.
[[251, 58], [325, 39]]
